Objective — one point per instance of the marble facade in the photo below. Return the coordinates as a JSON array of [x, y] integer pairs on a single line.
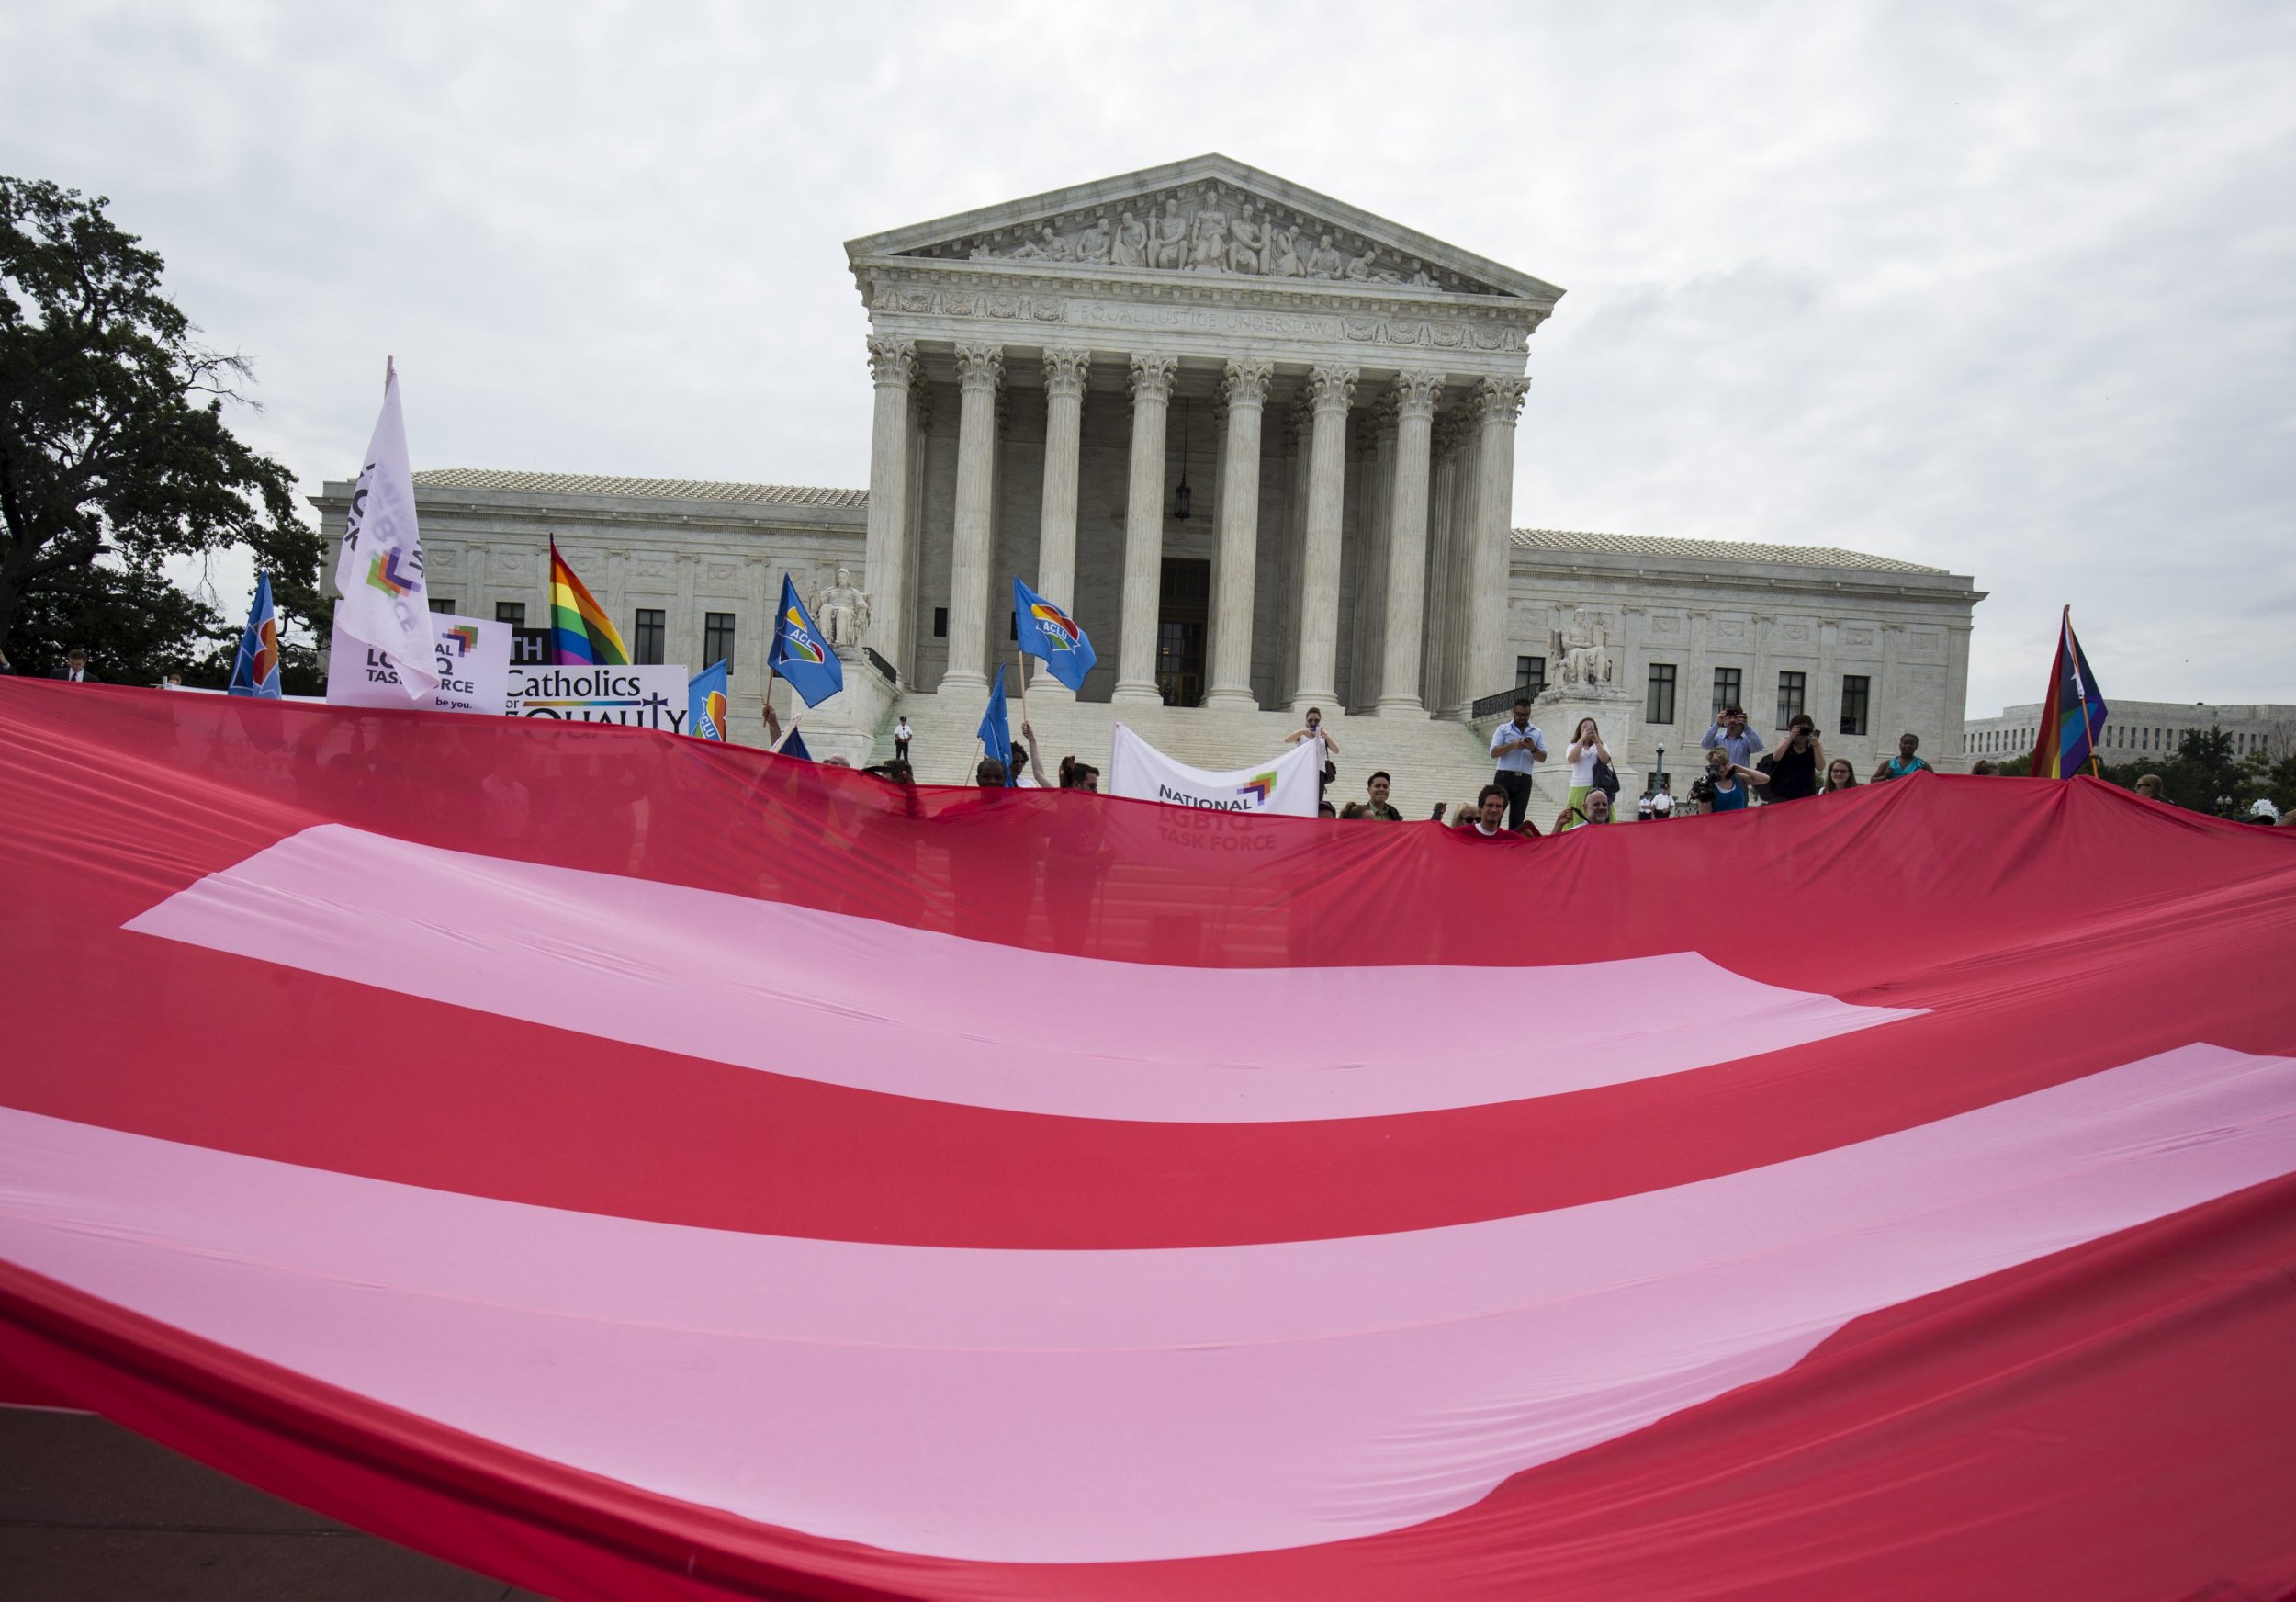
[[1341, 398]]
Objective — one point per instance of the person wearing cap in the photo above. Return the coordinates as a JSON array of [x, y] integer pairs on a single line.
[[1729, 733]]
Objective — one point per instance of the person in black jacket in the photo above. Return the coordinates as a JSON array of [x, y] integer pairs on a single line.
[[76, 668], [1795, 765]]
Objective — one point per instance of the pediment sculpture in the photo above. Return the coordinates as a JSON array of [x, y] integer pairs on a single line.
[[1207, 228]]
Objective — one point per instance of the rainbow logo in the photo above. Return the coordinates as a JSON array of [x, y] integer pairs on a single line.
[[1060, 633], [267, 661], [1257, 786], [714, 716], [465, 638], [384, 575], [798, 640]]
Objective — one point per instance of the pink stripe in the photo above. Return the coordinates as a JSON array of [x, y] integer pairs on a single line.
[[875, 1005], [1043, 1406]]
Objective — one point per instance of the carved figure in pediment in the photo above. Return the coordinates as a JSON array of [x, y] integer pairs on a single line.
[[980, 251], [1282, 260], [1418, 277], [1360, 268], [1246, 242], [1208, 241], [1325, 262], [1048, 246], [1130, 249], [1096, 243], [1168, 238]]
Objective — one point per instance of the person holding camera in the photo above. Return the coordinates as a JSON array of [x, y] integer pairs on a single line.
[[1590, 765], [1517, 747], [1729, 733], [1724, 787], [1797, 764]]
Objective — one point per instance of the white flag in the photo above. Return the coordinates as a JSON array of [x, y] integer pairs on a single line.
[[1283, 785], [379, 574]]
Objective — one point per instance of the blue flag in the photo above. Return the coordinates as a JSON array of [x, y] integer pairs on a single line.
[[793, 745], [800, 654], [255, 671], [1046, 631], [996, 731], [707, 702]]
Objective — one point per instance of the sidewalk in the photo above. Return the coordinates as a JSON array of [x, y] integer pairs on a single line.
[[88, 1511]]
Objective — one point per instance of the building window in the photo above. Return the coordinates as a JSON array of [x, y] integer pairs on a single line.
[[647, 637], [1530, 673], [511, 611], [1857, 702], [1727, 687], [1790, 690], [1659, 704], [941, 623], [718, 637], [441, 604]]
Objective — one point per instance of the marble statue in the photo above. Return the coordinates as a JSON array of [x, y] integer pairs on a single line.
[[1168, 238], [1095, 245], [1208, 241], [1418, 278], [1325, 262], [1582, 651], [1130, 249], [1283, 253], [842, 611], [1246, 242]]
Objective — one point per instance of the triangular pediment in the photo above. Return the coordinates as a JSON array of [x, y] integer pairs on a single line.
[[1209, 215]]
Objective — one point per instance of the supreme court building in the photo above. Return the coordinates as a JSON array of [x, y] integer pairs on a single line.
[[1262, 445]]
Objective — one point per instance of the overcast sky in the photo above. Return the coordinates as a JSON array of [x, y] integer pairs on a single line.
[[2007, 290]]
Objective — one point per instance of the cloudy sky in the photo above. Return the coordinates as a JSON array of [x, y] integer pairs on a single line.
[[2009, 289]]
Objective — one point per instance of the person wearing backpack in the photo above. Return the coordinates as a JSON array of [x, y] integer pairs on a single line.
[[1589, 765]]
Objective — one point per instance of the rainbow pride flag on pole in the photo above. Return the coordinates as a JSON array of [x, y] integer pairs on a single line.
[[580, 630], [2072, 714]]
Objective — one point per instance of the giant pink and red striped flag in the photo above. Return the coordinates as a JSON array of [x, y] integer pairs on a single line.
[[634, 1166]]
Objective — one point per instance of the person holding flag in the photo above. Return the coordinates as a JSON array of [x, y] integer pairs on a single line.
[[2072, 714], [1047, 632], [706, 702], [386, 604], [580, 632], [255, 670]]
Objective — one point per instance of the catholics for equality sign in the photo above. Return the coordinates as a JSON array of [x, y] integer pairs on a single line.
[[653, 696], [1284, 785], [473, 662]]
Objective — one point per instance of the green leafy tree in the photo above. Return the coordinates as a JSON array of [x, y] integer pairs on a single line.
[[2206, 776], [115, 455]]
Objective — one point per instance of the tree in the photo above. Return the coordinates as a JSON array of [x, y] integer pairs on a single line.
[[115, 455]]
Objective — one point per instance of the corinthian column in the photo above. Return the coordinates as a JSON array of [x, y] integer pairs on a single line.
[[1500, 401], [1144, 530], [1330, 392], [1064, 375], [1246, 391], [1407, 544], [980, 368], [885, 552]]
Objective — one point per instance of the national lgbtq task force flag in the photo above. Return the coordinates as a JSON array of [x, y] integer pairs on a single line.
[[1046, 631], [2072, 714], [799, 652], [378, 572], [706, 704], [255, 671], [580, 632], [711, 1179]]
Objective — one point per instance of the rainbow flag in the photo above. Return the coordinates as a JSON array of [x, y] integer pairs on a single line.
[[2072, 714], [580, 630]]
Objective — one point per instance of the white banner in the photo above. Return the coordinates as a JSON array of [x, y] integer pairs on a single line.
[[1284, 784], [379, 573], [649, 698], [472, 660]]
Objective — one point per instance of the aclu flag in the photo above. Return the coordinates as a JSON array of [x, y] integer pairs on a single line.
[[706, 702], [1045, 631], [255, 671], [379, 572], [800, 654], [1284, 784]]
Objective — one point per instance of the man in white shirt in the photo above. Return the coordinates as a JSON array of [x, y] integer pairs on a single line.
[[74, 668], [1517, 747], [900, 738], [1326, 746]]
